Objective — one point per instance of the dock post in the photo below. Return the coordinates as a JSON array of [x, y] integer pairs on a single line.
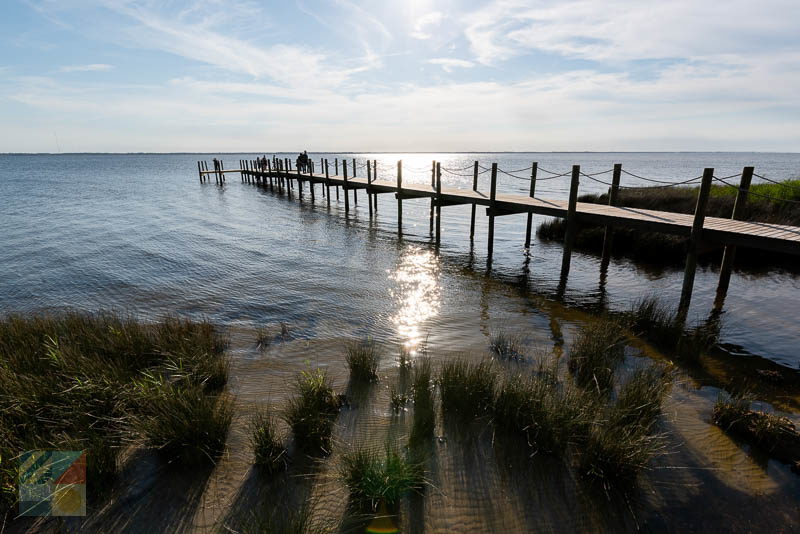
[[374, 178], [572, 223], [299, 184], [608, 234], [205, 168], [311, 179], [355, 191], [328, 182], [438, 204], [344, 188], [400, 196], [336, 173], [534, 170], [221, 172], [729, 253], [369, 185], [269, 173], [200, 171], [694, 241], [492, 196], [433, 199], [474, 206]]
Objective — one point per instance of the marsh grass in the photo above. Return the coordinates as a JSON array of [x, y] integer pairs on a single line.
[[623, 438], [88, 380], [268, 451], [775, 435], [312, 412], [660, 325], [507, 346], [424, 416], [372, 477], [550, 414], [398, 400], [467, 389], [362, 360], [185, 424], [596, 353]]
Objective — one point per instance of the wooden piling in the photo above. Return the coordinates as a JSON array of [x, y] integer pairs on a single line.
[[492, 196], [399, 196], [474, 188], [299, 184], [572, 223], [369, 187], [438, 204], [344, 187], [336, 173], [200, 171], [327, 181], [355, 191], [694, 241], [608, 234], [534, 170], [433, 200], [374, 178], [729, 253]]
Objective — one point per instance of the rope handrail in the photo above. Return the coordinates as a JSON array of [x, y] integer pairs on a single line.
[[652, 179], [528, 178], [448, 171], [459, 170], [784, 184], [592, 177], [751, 192]]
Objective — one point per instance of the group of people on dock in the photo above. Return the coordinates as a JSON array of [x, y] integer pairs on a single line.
[[302, 162]]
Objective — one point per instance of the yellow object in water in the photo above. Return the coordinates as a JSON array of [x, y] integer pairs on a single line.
[[382, 523]]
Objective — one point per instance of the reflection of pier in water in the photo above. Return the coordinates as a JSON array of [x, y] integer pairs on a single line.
[[702, 231]]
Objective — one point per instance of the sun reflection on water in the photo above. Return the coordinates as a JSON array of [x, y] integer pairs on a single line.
[[417, 294]]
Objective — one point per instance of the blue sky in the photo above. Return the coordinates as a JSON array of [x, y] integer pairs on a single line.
[[427, 75]]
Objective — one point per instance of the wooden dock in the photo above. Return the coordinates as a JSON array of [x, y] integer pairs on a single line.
[[730, 233]]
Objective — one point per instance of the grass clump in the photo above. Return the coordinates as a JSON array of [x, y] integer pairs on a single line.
[[467, 388], [362, 359], [372, 477], [424, 417], [268, 450], [596, 353], [399, 400], [550, 414], [87, 381], [185, 424], [506, 346], [775, 435], [312, 412], [622, 440], [662, 327]]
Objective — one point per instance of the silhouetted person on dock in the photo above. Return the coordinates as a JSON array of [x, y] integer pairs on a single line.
[[216, 164]]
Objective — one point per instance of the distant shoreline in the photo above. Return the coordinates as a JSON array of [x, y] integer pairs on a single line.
[[396, 152]]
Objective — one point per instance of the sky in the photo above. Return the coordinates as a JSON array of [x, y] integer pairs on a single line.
[[411, 75]]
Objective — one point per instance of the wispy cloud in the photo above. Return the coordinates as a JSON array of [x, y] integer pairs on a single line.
[[92, 67], [425, 23], [448, 64]]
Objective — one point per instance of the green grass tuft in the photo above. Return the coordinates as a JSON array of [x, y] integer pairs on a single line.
[[268, 450], [596, 353], [362, 359], [372, 477], [506, 346], [467, 388], [312, 413]]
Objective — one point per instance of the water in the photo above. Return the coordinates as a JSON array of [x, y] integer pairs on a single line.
[[139, 233]]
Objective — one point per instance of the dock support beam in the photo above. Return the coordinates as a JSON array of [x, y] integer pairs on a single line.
[[694, 241], [369, 185], [400, 197], [608, 234], [438, 204], [572, 223], [730, 250], [355, 191], [374, 178], [492, 196], [433, 200], [474, 188], [534, 169], [344, 187]]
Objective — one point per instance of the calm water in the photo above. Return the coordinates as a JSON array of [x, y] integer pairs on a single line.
[[138, 232]]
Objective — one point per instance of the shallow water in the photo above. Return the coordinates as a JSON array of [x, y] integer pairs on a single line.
[[139, 233]]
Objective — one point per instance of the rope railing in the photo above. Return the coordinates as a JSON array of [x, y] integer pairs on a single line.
[[784, 184], [751, 192]]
